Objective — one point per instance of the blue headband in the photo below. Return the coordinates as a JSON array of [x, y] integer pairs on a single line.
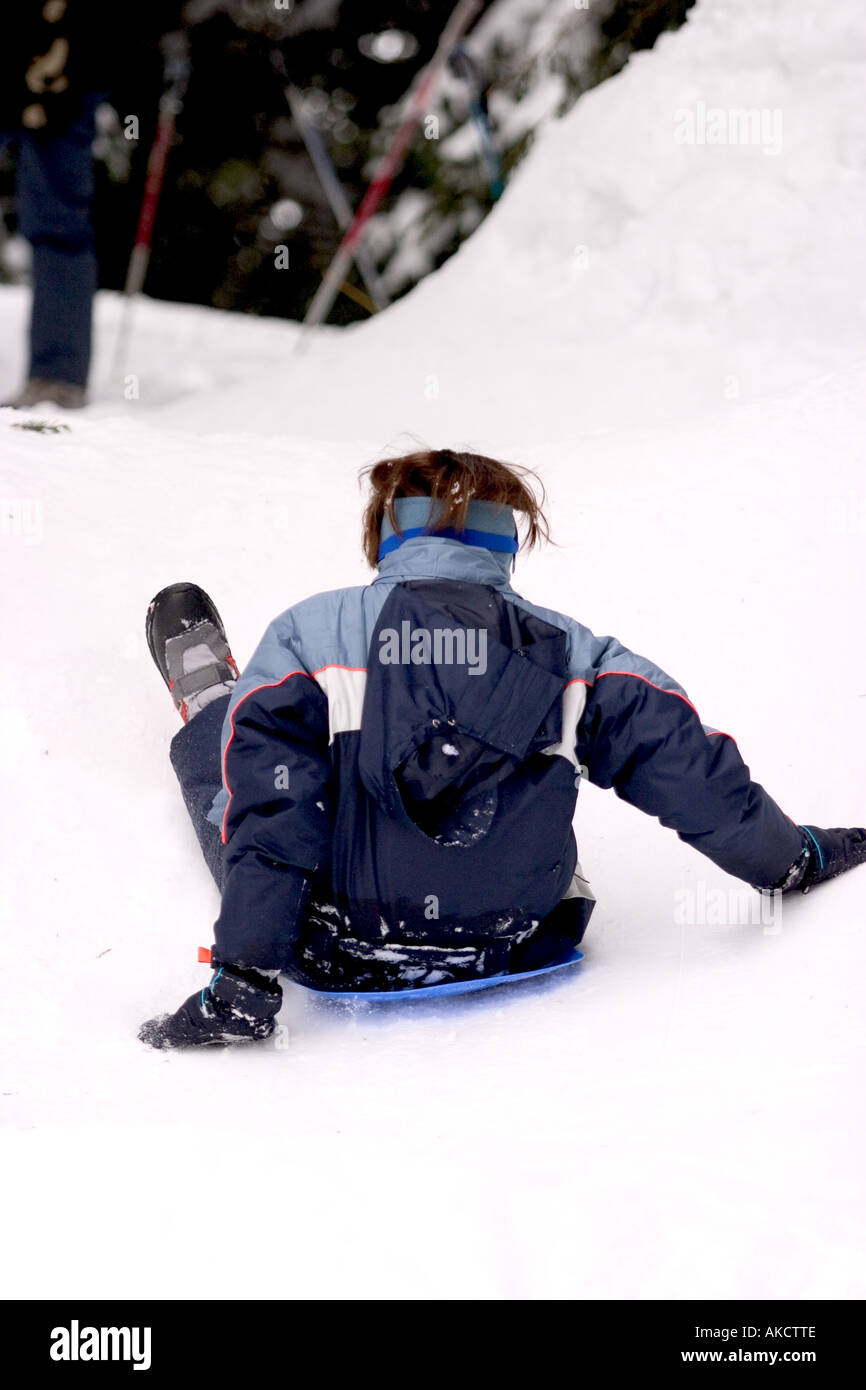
[[489, 525]]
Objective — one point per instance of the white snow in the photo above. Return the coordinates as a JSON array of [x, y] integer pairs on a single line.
[[682, 1115]]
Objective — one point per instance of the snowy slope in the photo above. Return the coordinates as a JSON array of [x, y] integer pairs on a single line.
[[681, 1116], [627, 274]]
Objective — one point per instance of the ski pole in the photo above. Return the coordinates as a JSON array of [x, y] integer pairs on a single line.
[[175, 47], [461, 17], [329, 179], [463, 66]]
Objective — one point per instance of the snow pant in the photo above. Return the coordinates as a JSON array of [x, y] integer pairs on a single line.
[[195, 757], [328, 958], [54, 183]]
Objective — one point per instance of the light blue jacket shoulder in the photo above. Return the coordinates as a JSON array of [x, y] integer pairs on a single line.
[[336, 627]]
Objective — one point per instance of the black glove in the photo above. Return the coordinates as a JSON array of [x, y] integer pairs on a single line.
[[237, 1005], [826, 853]]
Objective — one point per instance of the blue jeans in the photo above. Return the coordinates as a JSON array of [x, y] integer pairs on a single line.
[[55, 189]]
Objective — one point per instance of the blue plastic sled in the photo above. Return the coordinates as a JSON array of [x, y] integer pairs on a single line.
[[455, 987]]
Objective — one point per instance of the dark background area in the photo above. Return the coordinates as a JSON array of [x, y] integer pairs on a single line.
[[238, 152]]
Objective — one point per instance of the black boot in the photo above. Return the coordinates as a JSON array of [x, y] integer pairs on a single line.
[[187, 641], [826, 853], [238, 1005]]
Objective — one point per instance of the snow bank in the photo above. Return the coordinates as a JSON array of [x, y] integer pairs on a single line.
[[628, 274]]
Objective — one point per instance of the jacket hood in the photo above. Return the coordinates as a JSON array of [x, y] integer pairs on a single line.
[[461, 687]]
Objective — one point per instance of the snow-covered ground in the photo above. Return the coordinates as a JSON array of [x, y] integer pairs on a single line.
[[672, 334]]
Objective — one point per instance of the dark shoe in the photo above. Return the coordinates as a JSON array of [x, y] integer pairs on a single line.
[[237, 1006], [187, 641], [826, 853], [38, 390]]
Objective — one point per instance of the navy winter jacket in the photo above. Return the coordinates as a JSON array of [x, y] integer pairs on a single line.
[[401, 763]]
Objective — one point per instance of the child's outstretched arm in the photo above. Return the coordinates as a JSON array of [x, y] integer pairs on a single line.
[[640, 734]]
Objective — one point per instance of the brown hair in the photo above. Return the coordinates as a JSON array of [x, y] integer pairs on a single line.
[[456, 480]]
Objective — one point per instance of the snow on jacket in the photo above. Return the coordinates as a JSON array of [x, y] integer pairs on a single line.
[[401, 764]]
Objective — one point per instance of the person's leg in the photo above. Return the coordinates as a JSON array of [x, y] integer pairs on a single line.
[[55, 191], [239, 1004], [188, 643], [195, 757]]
